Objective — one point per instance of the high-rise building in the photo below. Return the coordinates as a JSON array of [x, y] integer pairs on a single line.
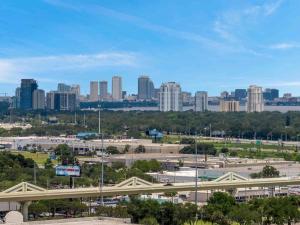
[[17, 98], [94, 88], [187, 98], [116, 88], [240, 94], [61, 101], [145, 88], [75, 88], [201, 101], [229, 106], [170, 98], [38, 99], [61, 87], [26, 92], [103, 90], [224, 94], [270, 94], [255, 102]]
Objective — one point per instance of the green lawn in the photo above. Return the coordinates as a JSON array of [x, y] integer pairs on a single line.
[[39, 158]]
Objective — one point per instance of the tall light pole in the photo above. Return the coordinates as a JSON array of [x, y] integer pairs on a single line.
[[196, 176], [102, 154]]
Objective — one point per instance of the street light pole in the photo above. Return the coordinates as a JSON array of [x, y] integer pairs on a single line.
[[102, 155], [196, 177]]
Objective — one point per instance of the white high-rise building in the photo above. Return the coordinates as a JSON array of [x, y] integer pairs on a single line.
[[38, 99], [170, 97], [229, 106], [255, 101], [94, 91], [116, 88], [201, 101]]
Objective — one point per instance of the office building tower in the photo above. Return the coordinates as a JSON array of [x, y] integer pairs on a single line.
[[17, 98], [224, 95], [116, 88], [255, 102], [145, 88], [94, 88], [75, 88], [229, 106], [103, 90], [26, 93], [270, 94], [201, 101], [287, 95], [240, 94], [38, 99], [170, 98], [61, 101], [63, 87]]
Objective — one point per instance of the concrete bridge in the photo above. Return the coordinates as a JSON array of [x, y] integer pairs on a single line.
[[25, 193]]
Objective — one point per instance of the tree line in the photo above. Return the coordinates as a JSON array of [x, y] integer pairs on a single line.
[[264, 125]]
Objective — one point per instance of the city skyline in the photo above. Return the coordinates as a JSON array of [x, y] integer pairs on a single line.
[[208, 46]]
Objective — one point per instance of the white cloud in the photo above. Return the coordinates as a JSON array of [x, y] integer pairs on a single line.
[[230, 23], [284, 46], [12, 69]]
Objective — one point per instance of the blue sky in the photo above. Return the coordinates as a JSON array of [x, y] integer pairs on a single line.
[[211, 45]]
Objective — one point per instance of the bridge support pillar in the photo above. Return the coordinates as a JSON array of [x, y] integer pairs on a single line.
[[24, 210]]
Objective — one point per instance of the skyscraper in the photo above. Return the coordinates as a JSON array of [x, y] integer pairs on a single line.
[[94, 88], [65, 101], [17, 98], [145, 88], [255, 102], [63, 87], [38, 99], [26, 93], [103, 90], [170, 98], [201, 101], [240, 94], [270, 94], [116, 88]]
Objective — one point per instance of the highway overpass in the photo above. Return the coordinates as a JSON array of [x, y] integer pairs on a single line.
[[26, 192]]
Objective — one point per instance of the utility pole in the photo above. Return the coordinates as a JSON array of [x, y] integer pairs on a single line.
[[102, 155], [196, 177], [34, 173]]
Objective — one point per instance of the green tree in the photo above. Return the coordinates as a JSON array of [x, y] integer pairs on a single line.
[[65, 155], [48, 164], [112, 150], [140, 149], [148, 221]]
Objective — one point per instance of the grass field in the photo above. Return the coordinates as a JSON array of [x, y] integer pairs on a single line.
[[39, 158]]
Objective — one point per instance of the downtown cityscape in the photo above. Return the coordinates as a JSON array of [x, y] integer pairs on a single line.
[[168, 97], [149, 112]]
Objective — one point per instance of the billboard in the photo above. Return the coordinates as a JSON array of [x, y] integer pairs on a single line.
[[73, 171]]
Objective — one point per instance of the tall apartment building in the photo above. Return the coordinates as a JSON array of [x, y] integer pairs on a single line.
[[38, 101], [255, 102], [201, 101], [61, 101], [145, 88], [170, 98], [116, 88], [229, 106], [94, 91], [103, 90], [26, 93]]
